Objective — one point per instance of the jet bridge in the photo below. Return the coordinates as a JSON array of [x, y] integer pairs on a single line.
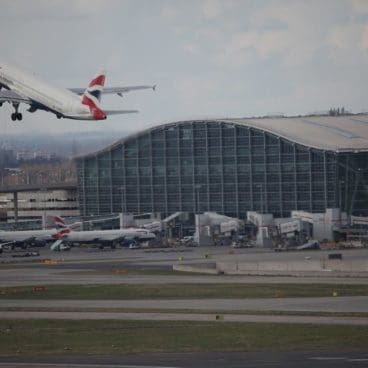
[[159, 225]]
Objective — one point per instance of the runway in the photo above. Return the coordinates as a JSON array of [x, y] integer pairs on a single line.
[[320, 320], [354, 304], [263, 359]]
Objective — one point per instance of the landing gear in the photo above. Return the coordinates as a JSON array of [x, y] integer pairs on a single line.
[[16, 115]]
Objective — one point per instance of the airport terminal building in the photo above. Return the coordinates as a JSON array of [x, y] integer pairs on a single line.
[[231, 166]]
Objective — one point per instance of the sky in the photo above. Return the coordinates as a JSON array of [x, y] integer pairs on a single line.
[[209, 58]]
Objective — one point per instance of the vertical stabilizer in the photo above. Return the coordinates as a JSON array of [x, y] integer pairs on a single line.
[[92, 96]]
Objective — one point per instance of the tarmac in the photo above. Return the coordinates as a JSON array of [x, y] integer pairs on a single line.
[[264, 359], [319, 320], [91, 266], [353, 304]]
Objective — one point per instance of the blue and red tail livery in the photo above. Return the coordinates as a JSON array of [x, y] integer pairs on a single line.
[[92, 96], [59, 222], [96, 86], [61, 233]]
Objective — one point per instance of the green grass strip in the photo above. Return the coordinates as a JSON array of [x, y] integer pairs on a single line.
[[41, 337]]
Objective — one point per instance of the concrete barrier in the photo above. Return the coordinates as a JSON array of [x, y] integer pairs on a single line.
[[305, 267], [194, 269], [322, 267]]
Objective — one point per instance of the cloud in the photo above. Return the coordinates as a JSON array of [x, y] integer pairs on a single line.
[[250, 47], [364, 38], [348, 44], [211, 9], [56, 9], [168, 12], [359, 7], [345, 36]]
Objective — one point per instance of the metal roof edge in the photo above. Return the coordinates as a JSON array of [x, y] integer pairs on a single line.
[[239, 121]]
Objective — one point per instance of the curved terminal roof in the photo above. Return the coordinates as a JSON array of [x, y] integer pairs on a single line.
[[330, 133], [347, 133]]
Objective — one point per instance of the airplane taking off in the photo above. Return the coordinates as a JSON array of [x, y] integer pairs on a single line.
[[20, 86]]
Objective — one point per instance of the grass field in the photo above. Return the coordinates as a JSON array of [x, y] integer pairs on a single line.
[[40, 337], [181, 291]]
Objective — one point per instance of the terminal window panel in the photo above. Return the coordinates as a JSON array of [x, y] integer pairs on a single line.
[[172, 180], [172, 152], [214, 132]]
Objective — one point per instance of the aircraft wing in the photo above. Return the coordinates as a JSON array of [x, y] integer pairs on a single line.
[[114, 90], [11, 96]]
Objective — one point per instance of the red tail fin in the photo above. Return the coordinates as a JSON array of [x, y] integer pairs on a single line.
[[60, 233], [92, 96], [59, 222]]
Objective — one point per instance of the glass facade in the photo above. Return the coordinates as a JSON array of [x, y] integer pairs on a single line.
[[218, 166]]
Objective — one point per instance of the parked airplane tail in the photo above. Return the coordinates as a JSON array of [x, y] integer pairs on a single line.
[[61, 232], [55, 222], [92, 96], [59, 222]]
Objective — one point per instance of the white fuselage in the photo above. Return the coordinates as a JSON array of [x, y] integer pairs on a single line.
[[44, 95], [107, 235], [23, 236]]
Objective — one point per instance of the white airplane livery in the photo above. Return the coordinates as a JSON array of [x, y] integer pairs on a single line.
[[25, 238], [102, 237], [20, 86]]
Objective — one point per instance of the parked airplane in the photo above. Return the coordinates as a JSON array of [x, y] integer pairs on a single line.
[[102, 237], [25, 238], [21, 86]]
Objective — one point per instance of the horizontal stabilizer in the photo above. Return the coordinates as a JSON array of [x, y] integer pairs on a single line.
[[115, 90], [118, 112]]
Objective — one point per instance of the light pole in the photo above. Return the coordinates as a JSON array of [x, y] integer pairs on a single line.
[[122, 188], [262, 198], [197, 187], [341, 182], [44, 191], [260, 186]]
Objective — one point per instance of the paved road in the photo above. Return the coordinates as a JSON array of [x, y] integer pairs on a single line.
[[329, 304], [200, 360], [358, 321]]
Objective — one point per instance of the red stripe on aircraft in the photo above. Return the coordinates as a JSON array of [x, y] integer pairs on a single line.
[[99, 80]]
